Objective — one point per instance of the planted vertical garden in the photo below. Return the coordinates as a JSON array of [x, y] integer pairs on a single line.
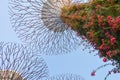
[[98, 21]]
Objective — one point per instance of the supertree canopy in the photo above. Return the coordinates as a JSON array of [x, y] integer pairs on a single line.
[[66, 77], [38, 23], [18, 63]]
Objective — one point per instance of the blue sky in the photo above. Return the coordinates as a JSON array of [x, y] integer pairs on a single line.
[[77, 62]]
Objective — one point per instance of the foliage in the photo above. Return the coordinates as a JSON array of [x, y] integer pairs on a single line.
[[99, 22]]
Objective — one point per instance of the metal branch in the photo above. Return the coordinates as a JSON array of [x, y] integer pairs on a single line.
[[38, 24], [18, 61]]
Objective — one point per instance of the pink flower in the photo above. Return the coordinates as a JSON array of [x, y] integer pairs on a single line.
[[104, 59], [98, 16], [109, 18], [115, 71], [99, 20], [102, 46], [118, 19], [93, 73], [108, 53], [112, 40]]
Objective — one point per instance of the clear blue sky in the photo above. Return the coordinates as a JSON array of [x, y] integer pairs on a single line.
[[77, 62]]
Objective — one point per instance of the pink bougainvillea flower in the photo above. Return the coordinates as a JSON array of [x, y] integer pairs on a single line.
[[112, 40], [102, 47], [104, 59], [114, 71], [108, 53], [93, 73]]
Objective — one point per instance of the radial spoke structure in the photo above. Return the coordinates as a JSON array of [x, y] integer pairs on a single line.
[[18, 63], [38, 24]]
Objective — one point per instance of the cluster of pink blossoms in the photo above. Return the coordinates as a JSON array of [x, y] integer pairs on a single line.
[[113, 22]]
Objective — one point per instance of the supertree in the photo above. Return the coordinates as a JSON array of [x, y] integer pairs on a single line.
[[96, 22], [17, 62], [38, 23], [66, 77]]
